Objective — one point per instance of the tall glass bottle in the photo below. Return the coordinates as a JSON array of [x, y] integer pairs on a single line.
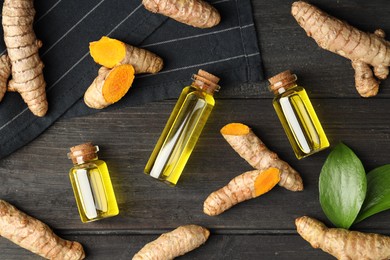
[[297, 115], [91, 184], [183, 128]]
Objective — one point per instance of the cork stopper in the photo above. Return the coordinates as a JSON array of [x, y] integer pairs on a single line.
[[83, 152], [284, 80], [206, 81]]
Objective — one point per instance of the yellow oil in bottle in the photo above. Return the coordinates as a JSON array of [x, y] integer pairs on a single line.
[[92, 187], [298, 117], [181, 132]]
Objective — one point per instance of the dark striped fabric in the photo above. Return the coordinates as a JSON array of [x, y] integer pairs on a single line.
[[229, 50]]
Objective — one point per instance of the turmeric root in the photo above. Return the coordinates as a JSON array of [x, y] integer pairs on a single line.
[[197, 13], [109, 86], [175, 243], [342, 243], [363, 49], [246, 186], [22, 48], [111, 52], [254, 151], [35, 236], [5, 72]]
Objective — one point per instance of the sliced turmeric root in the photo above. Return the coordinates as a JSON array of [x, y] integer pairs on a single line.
[[111, 52], [254, 151], [246, 186], [109, 86]]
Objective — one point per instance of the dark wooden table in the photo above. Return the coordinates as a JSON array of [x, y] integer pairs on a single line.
[[35, 178]]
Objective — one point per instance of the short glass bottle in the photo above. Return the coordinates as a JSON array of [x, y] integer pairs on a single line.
[[297, 115], [183, 129], [91, 184]]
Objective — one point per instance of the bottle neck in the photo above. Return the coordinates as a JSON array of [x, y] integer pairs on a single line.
[[205, 82], [282, 82], [204, 87], [82, 160], [283, 89], [83, 153]]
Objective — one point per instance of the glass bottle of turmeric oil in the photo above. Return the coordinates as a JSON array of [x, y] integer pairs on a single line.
[[183, 128], [297, 115], [91, 184]]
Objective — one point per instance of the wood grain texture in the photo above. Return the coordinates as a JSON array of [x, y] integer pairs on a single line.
[[216, 247], [35, 178]]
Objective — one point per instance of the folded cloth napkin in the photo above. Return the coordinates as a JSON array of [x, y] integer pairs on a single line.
[[228, 50]]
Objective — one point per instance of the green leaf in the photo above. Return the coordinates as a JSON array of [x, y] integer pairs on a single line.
[[342, 186], [378, 192]]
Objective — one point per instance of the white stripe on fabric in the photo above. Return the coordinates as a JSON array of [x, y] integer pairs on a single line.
[[74, 26], [200, 64], [127, 17], [198, 35], [48, 11], [246, 26], [67, 72], [252, 54], [218, 2], [10, 121]]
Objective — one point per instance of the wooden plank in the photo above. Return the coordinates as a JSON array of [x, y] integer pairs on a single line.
[[217, 247], [35, 177]]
